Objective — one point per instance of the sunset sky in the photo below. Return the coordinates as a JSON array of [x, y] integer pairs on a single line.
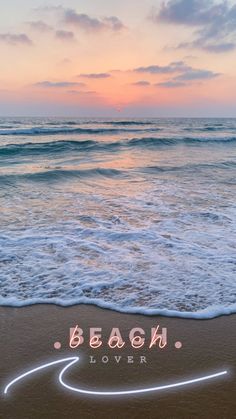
[[112, 58]]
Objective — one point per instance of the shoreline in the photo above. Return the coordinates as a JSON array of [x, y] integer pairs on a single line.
[[29, 334], [204, 314]]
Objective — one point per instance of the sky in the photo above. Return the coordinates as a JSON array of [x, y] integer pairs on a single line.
[[109, 58]]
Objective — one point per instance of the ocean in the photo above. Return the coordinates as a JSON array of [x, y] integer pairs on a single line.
[[137, 215]]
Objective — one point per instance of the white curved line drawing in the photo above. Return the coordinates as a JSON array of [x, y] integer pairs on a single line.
[[73, 360]]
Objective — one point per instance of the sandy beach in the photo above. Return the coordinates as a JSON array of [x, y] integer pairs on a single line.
[[28, 337]]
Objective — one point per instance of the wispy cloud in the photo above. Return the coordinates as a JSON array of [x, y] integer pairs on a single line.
[[214, 23], [114, 23], [141, 83], [190, 12], [95, 75], [209, 47], [195, 74], [91, 24], [40, 26], [15, 39], [167, 69], [181, 74], [43, 27], [187, 77], [83, 21], [65, 35], [60, 84]]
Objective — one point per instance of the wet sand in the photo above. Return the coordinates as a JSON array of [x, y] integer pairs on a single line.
[[27, 340]]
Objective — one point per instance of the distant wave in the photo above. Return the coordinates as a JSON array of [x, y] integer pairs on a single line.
[[152, 141], [216, 127], [105, 122], [63, 174], [45, 148], [59, 175], [55, 131], [187, 167], [67, 130], [129, 122], [64, 146]]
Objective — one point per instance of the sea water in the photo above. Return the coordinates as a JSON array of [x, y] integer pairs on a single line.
[[138, 215]]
